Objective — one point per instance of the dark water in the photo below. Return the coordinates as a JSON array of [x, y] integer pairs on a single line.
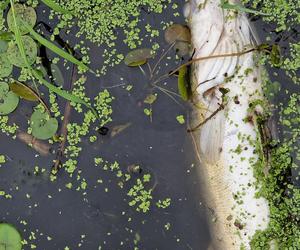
[[40, 208]]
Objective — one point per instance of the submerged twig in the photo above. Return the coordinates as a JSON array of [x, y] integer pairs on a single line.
[[211, 57], [64, 130], [42, 147], [221, 107]]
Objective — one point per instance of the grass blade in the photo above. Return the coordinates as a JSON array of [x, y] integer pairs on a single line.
[[56, 49], [54, 6], [63, 93], [238, 7]]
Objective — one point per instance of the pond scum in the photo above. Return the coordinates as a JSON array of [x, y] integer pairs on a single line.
[[98, 25]]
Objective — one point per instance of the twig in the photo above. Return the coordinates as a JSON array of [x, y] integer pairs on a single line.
[[43, 148], [64, 130], [207, 119], [211, 57]]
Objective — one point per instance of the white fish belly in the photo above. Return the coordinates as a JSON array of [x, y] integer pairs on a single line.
[[229, 181]]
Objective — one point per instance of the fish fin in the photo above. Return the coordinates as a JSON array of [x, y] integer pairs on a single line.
[[212, 133]]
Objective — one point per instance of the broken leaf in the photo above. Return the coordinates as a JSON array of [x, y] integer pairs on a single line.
[[23, 91], [138, 57], [150, 98], [182, 48], [177, 32], [119, 128], [43, 126], [275, 55], [8, 99]]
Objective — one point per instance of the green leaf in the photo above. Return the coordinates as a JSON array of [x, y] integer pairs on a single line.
[[56, 49], [182, 83], [150, 99], [138, 57], [18, 37], [6, 36], [5, 66], [43, 126], [3, 46], [23, 14], [63, 93], [10, 238], [15, 56], [54, 6], [8, 99], [23, 91], [275, 55], [180, 119], [57, 75]]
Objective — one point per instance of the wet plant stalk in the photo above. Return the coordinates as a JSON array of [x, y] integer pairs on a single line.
[[64, 130]]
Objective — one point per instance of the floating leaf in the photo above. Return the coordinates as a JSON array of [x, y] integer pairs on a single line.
[[16, 58], [138, 57], [150, 99], [4, 4], [57, 75], [177, 32], [43, 126], [180, 119], [182, 48], [182, 83], [24, 14], [10, 238], [275, 55], [8, 99], [3, 46], [5, 66], [6, 36], [23, 91], [56, 7]]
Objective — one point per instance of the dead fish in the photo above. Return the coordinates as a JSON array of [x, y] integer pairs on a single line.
[[228, 140]]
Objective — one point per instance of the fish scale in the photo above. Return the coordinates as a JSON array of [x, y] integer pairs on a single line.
[[227, 143]]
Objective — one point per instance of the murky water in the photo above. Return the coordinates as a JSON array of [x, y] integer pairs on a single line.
[[50, 216]]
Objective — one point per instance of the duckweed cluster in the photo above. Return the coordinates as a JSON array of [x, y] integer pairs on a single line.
[[106, 24], [285, 14]]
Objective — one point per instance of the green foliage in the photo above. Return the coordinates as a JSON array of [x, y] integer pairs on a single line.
[[25, 14], [42, 125], [8, 99], [56, 7], [14, 54], [10, 238]]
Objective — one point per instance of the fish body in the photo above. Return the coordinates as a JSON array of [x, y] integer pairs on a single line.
[[228, 98]]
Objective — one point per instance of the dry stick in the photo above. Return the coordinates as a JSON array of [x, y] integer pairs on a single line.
[[207, 119], [64, 130], [211, 57], [40, 146]]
